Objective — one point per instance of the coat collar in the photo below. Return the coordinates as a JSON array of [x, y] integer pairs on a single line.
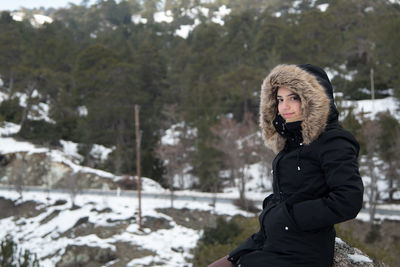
[[314, 88]]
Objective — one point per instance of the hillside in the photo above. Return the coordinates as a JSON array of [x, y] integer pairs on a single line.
[[179, 61], [102, 230], [101, 226], [71, 79]]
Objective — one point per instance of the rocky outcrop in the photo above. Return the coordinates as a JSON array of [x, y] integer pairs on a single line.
[[346, 256], [119, 253], [37, 169]]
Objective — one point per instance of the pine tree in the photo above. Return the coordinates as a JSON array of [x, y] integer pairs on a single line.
[[388, 150]]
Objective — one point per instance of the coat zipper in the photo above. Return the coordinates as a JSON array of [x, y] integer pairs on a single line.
[[274, 177]]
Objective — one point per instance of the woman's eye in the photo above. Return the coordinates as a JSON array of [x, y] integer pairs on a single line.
[[295, 98]]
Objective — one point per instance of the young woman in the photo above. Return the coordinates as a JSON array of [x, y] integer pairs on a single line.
[[316, 182]]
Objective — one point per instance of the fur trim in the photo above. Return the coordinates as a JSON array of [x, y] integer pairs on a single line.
[[314, 104]]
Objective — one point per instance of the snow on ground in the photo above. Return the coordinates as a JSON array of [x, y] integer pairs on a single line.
[[68, 156], [40, 238], [71, 148], [372, 107], [44, 238], [364, 216], [193, 13], [172, 247], [323, 7]]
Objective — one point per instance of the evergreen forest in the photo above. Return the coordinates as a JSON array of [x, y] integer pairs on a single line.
[[93, 63]]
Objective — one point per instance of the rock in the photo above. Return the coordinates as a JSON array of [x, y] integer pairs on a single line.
[[86, 256], [346, 256], [194, 219], [39, 170], [25, 209]]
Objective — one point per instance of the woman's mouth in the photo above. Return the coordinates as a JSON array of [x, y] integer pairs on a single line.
[[287, 115]]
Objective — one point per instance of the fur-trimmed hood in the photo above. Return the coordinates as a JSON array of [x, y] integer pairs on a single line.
[[312, 85]]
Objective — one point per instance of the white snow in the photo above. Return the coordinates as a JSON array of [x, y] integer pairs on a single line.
[[18, 15], [138, 19], [220, 14], [323, 7], [82, 111], [10, 145], [101, 152], [39, 111], [195, 13], [171, 247], [41, 19], [339, 240], [369, 108], [8, 128], [172, 135], [163, 16], [359, 258], [71, 148], [45, 240], [184, 30]]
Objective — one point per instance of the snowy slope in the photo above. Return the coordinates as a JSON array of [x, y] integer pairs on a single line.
[[171, 247]]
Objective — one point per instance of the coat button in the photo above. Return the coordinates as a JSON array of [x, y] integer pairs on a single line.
[[286, 228]]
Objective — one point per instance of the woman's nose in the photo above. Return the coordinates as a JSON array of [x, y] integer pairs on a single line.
[[285, 105]]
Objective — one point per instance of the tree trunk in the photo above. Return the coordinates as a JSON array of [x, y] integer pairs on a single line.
[[373, 191], [27, 109], [11, 85]]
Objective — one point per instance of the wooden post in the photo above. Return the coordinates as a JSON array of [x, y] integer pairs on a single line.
[[372, 84], [139, 178]]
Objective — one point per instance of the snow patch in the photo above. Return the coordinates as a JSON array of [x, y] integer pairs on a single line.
[[138, 19], [8, 128], [323, 7], [101, 152], [370, 108], [71, 149], [359, 258], [18, 16], [164, 16], [41, 19]]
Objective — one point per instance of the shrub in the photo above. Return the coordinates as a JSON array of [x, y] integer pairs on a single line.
[[246, 204], [216, 242], [11, 111], [374, 252], [40, 132], [11, 255]]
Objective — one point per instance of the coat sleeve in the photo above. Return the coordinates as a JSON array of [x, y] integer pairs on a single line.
[[254, 242], [338, 152]]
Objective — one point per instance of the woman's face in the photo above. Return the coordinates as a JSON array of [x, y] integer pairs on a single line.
[[289, 105]]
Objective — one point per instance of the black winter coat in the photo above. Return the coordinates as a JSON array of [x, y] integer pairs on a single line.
[[316, 182]]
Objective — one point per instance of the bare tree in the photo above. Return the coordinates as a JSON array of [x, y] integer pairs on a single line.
[[29, 93], [239, 142], [396, 164], [18, 172], [389, 153], [370, 134], [174, 151], [265, 156], [47, 175], [73, 186]]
